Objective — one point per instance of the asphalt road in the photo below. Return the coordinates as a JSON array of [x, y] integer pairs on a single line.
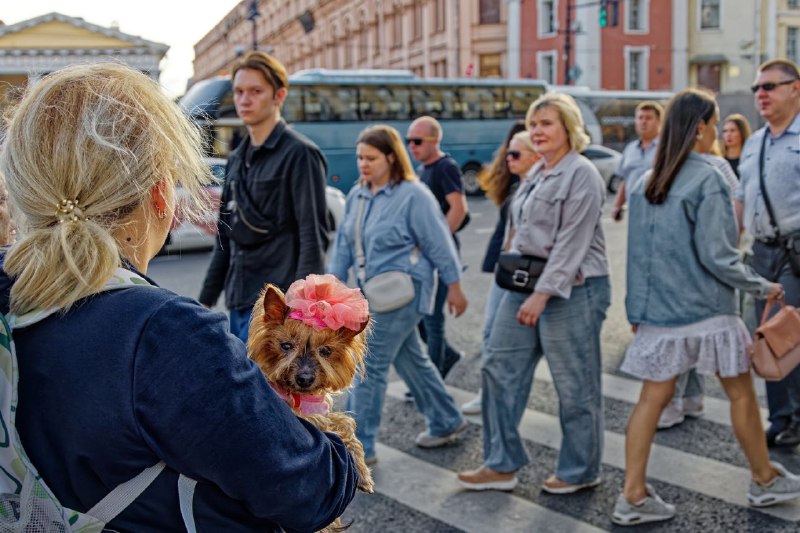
[[696, 465]]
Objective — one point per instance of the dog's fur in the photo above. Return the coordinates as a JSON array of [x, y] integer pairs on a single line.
[[306, 361]]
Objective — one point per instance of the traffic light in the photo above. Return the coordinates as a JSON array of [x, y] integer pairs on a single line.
[[603, 13], [614, 16]]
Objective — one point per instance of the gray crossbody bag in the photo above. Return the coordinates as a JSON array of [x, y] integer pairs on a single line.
[[386, 291]]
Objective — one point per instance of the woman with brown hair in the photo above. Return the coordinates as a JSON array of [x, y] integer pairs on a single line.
[[735, 131], [393, 227], [682, 272]]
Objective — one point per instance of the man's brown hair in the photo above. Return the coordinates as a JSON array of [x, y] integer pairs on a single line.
[[272, 69]]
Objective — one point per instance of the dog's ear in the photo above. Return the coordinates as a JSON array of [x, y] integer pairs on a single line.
[[347, 334], [274, 305]]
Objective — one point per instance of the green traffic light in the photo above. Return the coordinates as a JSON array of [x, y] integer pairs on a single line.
[[603, 17]]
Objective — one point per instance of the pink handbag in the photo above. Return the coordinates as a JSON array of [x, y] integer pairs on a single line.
[[776, 345]]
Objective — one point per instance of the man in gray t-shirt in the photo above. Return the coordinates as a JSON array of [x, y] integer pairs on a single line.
[[638, 155]]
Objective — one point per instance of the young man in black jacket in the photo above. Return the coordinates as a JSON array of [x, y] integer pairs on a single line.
[[272, 226]]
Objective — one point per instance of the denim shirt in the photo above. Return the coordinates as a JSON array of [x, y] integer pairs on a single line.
[[781, 176], [683, 265], [397, 219], [636, 160]]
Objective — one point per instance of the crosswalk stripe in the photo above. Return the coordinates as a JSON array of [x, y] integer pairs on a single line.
[[434, 491], [696, 473], [627, 390]]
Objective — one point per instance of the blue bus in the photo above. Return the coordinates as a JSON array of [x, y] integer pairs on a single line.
[[331, 107]]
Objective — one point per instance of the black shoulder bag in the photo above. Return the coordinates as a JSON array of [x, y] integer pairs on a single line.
[[517, 272], [792, 241]]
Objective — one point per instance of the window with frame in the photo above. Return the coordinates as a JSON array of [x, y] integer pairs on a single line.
[[636, 71], [418, 12], [547, 17], [636, 16], [489, 11], [397, 28], [792, 34], [490, 66], [793, 4], [710, 14], [546, 66], [377, 49], [363, 40], [439, 16]]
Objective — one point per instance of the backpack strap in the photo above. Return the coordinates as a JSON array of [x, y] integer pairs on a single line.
[[124, 494]]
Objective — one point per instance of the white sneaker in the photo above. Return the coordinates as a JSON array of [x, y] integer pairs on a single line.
[[473, 407], [426, 440], [672, 415], [693, 406]]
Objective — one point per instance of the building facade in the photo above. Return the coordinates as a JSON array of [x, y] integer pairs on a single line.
[[34, 47], [437, 38]]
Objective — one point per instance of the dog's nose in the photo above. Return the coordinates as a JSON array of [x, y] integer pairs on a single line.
[[304, 379]]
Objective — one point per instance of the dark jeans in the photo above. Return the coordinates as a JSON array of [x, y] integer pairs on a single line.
[[783, 397], [431, 329]]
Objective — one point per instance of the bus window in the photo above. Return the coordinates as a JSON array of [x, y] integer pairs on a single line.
[[383, 103], [330, 104], [521, 98], [435, 101], [480, 102], [292, 108]]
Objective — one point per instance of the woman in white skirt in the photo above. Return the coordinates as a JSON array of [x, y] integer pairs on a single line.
[[682, 272]]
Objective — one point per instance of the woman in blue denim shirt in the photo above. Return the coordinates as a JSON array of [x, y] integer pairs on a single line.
[[402, 230], [555, 214], [682, 270]]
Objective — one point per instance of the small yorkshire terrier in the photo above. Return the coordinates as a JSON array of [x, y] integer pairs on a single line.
[[310, 345]]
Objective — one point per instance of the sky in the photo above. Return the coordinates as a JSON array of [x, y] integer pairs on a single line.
[[176, 23]]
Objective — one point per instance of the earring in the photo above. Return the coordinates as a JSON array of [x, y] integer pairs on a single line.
[[161, 214], [699, 136]]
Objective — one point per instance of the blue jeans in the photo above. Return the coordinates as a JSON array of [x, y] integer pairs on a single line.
[[431, 329], [490, 311], [394, 339], [240, 322], [568, 335], [783, 397]]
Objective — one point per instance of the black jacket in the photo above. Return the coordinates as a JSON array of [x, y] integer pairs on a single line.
[[272, 226], [495, 245]]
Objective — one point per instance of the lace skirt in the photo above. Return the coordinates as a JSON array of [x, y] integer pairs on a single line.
[[716, 345]]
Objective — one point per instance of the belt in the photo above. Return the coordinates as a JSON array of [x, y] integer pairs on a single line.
[[771, 242]]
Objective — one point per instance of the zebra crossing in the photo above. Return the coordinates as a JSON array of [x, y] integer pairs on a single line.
[[709, 491]]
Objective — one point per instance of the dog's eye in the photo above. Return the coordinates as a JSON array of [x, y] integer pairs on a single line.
[[286, 346], [325, 351]]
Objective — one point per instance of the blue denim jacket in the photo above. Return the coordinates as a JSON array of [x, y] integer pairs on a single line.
[[683, 265], [396, 220]]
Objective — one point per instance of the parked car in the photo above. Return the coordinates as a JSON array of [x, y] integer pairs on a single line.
[[201, 235], [607, 161]]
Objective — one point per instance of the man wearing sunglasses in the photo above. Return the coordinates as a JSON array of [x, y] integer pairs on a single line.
[[441, 173], [768, 207]]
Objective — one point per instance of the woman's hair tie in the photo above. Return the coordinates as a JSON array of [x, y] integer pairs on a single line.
[[69, 211]]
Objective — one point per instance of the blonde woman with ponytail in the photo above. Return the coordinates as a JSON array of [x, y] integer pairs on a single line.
[[117, 374]]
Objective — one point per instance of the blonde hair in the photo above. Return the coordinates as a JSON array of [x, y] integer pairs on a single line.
[[100, 135], [387, 140], [570, 115], [525, 138]]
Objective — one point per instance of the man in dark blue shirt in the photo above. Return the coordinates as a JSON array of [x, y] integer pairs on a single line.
[[441, 173]]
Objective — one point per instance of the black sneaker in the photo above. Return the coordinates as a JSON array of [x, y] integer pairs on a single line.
[[789, 436], [451, 362], [408, 397]]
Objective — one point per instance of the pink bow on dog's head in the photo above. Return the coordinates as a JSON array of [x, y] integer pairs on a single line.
[[322, 301]]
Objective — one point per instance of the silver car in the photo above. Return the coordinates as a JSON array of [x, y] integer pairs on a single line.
[[607, 162], [201, 235]]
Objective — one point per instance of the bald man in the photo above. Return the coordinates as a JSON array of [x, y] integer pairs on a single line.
[[441, 173]]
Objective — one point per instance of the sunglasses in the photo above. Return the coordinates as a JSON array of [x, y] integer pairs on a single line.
[[771, 85], [416, 141]]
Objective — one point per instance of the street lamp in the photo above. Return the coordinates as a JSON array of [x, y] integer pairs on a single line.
[[251, 16]]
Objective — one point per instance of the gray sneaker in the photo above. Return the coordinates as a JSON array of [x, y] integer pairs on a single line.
[[426, 440], [783, 488], [651, 509]]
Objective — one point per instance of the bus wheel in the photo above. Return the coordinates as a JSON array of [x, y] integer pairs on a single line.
[[470, 173]]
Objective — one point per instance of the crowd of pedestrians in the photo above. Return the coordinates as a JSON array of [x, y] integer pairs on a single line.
[[96, 209]]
